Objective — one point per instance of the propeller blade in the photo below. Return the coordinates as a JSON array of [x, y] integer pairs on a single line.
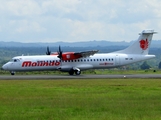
[[60, 52], [48, 52], [59, 49]]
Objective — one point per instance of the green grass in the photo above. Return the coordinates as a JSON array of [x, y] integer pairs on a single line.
[[104, 99]]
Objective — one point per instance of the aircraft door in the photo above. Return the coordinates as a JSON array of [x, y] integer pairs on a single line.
[[117, 60]]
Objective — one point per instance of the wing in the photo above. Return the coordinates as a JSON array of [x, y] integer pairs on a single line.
[[86, 53]]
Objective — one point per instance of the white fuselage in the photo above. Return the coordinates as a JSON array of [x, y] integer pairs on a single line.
[[52, 62]]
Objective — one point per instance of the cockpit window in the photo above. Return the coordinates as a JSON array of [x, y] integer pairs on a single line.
[[15, 60]]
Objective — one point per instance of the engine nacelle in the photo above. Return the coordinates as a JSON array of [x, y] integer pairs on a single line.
[[70, 56]]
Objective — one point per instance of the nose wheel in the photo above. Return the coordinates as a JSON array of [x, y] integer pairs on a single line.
[[12, 73]]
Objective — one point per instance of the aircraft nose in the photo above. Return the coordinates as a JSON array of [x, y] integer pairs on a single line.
[[4, 67]]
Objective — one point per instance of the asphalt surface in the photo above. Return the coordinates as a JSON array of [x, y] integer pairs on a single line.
[[55, 77]]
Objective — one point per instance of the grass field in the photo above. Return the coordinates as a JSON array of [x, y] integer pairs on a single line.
[[104, 99]]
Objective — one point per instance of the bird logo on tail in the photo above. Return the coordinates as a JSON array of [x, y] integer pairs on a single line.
[[144, 44]]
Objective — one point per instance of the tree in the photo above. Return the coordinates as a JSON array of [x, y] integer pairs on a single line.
[[145, 66]]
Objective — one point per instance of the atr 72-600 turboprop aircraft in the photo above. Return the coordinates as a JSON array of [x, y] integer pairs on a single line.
[[75, 62]]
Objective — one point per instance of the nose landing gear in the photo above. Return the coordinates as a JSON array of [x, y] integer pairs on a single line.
[[12, 73]]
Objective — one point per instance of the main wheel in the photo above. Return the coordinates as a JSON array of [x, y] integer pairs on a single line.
[[77, 72], [71, 72]]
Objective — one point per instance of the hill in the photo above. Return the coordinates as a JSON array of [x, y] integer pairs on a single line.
[[94, 43]]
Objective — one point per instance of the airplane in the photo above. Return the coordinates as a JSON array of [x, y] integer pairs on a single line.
[[75, 62]]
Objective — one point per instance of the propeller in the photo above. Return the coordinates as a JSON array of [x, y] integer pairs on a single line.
[[60, 52], [48, 52]]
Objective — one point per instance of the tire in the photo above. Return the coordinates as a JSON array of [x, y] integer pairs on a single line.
[[71, 72], [77, 72], [12, 73]]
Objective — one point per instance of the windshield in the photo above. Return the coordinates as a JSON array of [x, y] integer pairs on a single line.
[[14, 60]]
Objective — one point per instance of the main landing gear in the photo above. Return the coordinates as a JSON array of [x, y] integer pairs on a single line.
[[77, 72]]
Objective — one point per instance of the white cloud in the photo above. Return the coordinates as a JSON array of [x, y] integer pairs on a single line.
[[20, 7], [77, 20]]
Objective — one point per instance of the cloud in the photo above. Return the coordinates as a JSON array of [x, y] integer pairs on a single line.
[[20, 8], [77, 20]]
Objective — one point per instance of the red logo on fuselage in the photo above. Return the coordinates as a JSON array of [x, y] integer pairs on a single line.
[[39, 63], [144, 44]]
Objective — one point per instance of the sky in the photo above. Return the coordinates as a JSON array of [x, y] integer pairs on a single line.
[[77, 20]]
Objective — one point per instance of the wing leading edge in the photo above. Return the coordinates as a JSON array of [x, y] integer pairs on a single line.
[[86, 53]]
